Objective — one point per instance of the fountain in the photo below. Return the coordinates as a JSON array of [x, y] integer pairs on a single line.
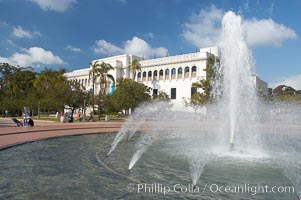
[[239, 120]]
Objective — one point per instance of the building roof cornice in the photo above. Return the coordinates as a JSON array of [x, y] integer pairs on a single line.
[[198, 56]]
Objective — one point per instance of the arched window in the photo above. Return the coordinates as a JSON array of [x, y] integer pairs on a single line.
[[173, 73], [180, 70], [155, 75], [186, 72], [161, 72], [149, 75], [193, 71], [139, 76], [167, 74], [144, 76]]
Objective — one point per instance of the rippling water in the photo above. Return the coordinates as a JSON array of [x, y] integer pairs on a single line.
[[76, 168]]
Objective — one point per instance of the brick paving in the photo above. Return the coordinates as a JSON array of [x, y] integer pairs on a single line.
[[11, 135]]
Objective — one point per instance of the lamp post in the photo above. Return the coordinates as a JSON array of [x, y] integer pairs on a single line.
[[84, 107]]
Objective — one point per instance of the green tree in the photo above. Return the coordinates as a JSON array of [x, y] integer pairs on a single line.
[[134, 67], [196, 101], [206, 84], [16, 87], [51, 87], [75, 96], [286, 94], [6, 71], [50, 90], [162, 96], [199, 99], [128, 95]]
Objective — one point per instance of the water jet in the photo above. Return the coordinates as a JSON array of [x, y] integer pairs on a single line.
[[231, 146]]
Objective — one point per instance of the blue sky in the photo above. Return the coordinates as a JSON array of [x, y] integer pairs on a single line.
[[70, 33]]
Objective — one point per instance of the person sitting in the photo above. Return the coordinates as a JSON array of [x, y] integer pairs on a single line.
[[30, 122]]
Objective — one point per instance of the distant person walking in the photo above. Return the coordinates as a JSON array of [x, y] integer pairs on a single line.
[[79, 116], [91, 117], [6, 114]]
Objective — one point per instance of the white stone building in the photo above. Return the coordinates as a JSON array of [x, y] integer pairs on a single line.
[[173, 74]]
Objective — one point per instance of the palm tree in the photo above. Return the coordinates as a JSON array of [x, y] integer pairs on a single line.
[[103, 71], [134, 67], [93, 74]]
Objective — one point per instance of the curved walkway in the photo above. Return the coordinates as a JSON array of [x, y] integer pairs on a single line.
[[11, 135]]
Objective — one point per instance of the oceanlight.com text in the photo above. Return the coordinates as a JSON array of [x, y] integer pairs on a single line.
[[158, 188]]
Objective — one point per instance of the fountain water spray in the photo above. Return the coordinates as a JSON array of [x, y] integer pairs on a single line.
[[238, 102], [201, 142]]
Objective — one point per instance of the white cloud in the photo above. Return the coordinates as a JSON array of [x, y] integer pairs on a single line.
[[3, 24], [33, 56], [270, 10], [10, 42], [267, 32], [140, 47], [22, 33], [106, 48], [73, 49], [136, 46], [293, 81], [122, 1], [204, 30], [150, 35], [55, 5]]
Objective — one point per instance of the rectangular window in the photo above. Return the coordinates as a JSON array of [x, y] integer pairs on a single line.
[[173, 93], [193, 90]]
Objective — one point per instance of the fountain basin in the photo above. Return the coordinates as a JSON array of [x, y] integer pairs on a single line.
[[75, 167]]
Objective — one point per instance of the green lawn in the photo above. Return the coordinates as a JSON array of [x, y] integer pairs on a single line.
[[113, 118], [46, 119]]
